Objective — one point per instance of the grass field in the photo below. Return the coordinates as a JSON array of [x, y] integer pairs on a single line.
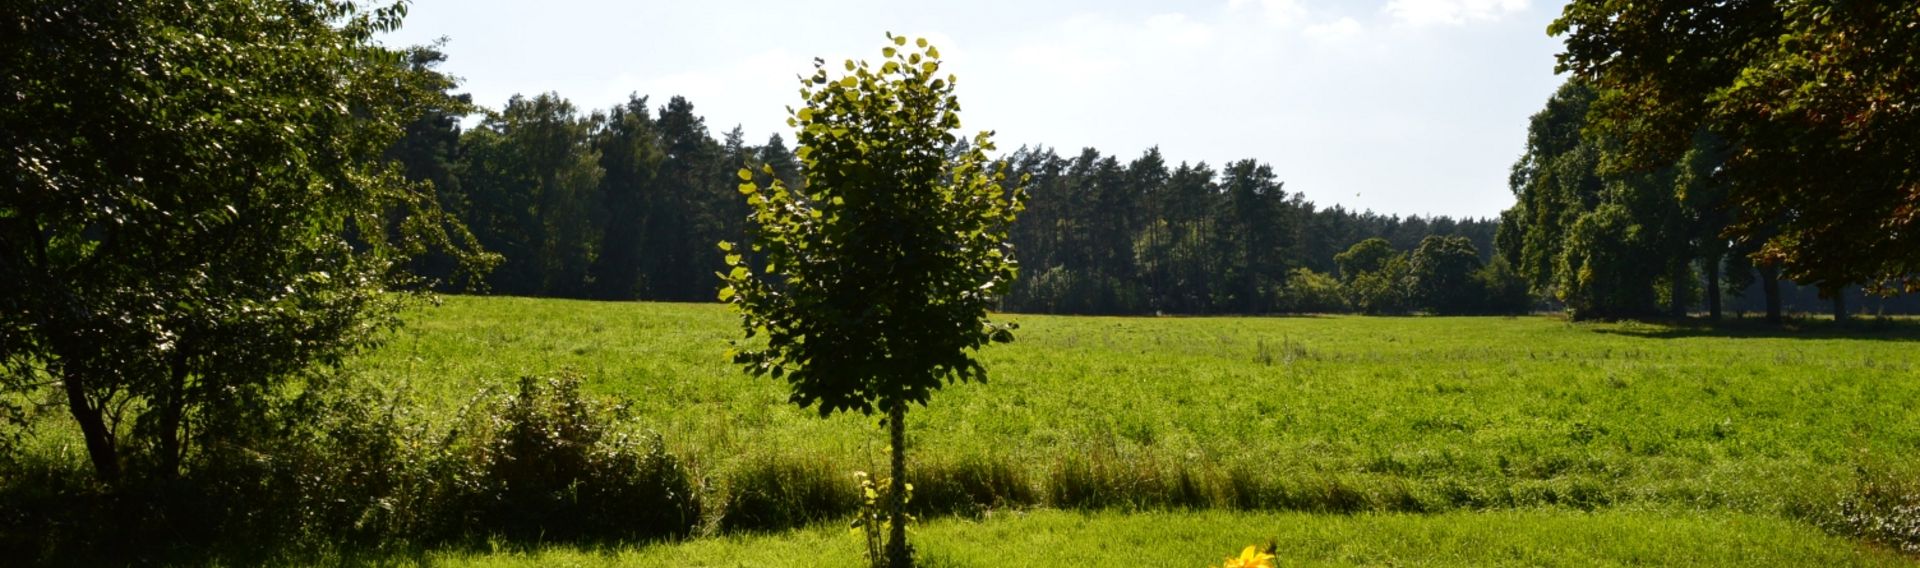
[[1168, 539], [1746, 434]]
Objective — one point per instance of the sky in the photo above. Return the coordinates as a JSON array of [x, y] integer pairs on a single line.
[[1396, 106]]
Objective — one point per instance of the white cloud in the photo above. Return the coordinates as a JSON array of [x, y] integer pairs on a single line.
[[1280, 13], [1422, 13], [1177, 29], [1335, 31]]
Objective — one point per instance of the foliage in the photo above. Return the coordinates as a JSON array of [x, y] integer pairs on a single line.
[[878, 274], [1371, 255], [1064, 290], [530, 174], [1441, 272], [1385, 291], [1810, 93], [1599, 240], [330, 466], [1310, 292], [1505, 292], [198, 208], [1099, 235], [1598, 274], [871, 521], [549, 464]]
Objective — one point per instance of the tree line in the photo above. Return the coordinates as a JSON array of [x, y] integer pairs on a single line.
[[1698, 148], [627, 203]]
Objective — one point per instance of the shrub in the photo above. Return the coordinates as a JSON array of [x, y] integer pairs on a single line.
[[550, 465], [1385, 291], [1312, 292]]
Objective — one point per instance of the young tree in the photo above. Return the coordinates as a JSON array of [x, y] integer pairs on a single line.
[[879, 274], [196, 208]]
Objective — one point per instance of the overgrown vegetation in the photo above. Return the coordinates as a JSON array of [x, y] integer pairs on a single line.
[[342, 468]]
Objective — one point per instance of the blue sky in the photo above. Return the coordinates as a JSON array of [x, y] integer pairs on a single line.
[[1398, 106]]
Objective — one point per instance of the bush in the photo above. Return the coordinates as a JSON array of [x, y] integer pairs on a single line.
[[341, 466], [326, 467], [549, 465], [1382, 292], [1312, 292]]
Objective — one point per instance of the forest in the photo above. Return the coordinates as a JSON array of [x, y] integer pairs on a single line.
[[626, 203]]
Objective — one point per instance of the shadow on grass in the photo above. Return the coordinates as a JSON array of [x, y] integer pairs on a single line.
[[1862, 328]]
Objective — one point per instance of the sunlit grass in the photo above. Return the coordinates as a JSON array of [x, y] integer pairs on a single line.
[[1343, 413], [1164, 539]]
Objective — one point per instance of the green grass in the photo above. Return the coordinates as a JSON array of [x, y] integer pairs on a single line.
[[1309, 413], [1159, 539], [1527, 441]]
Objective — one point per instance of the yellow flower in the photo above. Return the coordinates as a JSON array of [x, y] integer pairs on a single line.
[[1251, 557]]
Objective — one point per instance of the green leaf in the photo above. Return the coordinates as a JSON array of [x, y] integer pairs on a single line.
[[745, 174]]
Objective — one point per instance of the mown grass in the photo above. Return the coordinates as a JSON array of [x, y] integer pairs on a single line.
[[1052, 538], [1309, 413]]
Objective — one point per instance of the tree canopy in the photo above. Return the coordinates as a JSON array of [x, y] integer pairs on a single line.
[[197, 207], [1814, 99]]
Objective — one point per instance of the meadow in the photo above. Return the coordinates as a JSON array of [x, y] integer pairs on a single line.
[[1418, 440]]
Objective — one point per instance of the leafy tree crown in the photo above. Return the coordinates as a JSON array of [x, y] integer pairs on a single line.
[[871, 285]]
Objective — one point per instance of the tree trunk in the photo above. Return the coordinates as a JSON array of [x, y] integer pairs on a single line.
[[173, 407], [1840, 305], [93, 425], [899, 555], [1677, 295], [1770, 282], [1713, 287]]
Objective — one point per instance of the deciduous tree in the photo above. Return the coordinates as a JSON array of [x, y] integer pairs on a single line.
[[196, 208], [878, 275]]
